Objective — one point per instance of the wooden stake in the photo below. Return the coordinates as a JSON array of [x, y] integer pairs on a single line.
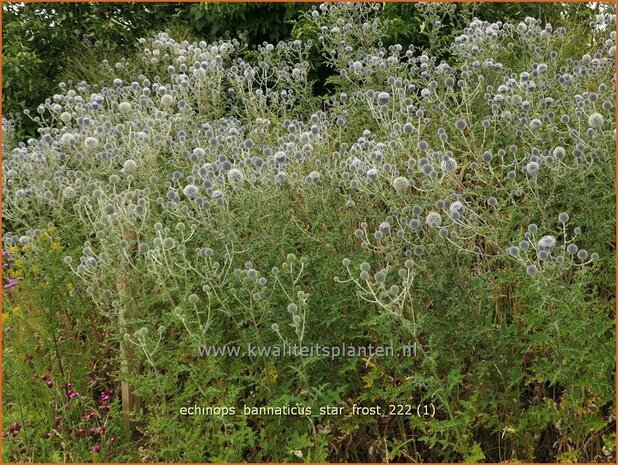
[[131, 402]]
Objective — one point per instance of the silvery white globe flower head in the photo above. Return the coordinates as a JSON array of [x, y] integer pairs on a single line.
[[559, 152], [433, 219], [448, 165], [546, 243], [191, 191], [124, 107], [456, 207], [167, 100], [91, 142], [535, 124], [400, 184], [385, 227], [383, 98], [563, 217], [380, 277], [129, 166], [595, 120], [314, 176], [235, 176], [69, 192], [532, 168], [372, 174], [531, 270], [65, 117], [281, 178]]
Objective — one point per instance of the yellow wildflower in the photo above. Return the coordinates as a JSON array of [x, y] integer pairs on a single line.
[[55, 246]]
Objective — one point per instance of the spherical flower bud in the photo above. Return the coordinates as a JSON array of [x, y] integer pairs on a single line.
[[167, 100], [535, 124], [532, 168], [400, 184], [559, 152], [372, 174], [129, 166], [595, 120], [383, 98], [448, 165], [385, 228], [91, 142], [124, 107], [235, 176], [191, 191], [546, 243], [69, 192], [433, 219], [531, 270]]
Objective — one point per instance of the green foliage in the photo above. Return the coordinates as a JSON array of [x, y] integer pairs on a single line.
[[270, 22]]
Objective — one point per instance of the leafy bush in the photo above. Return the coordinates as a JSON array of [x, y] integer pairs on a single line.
[[260, 21], [39, 41], [200, 198]]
